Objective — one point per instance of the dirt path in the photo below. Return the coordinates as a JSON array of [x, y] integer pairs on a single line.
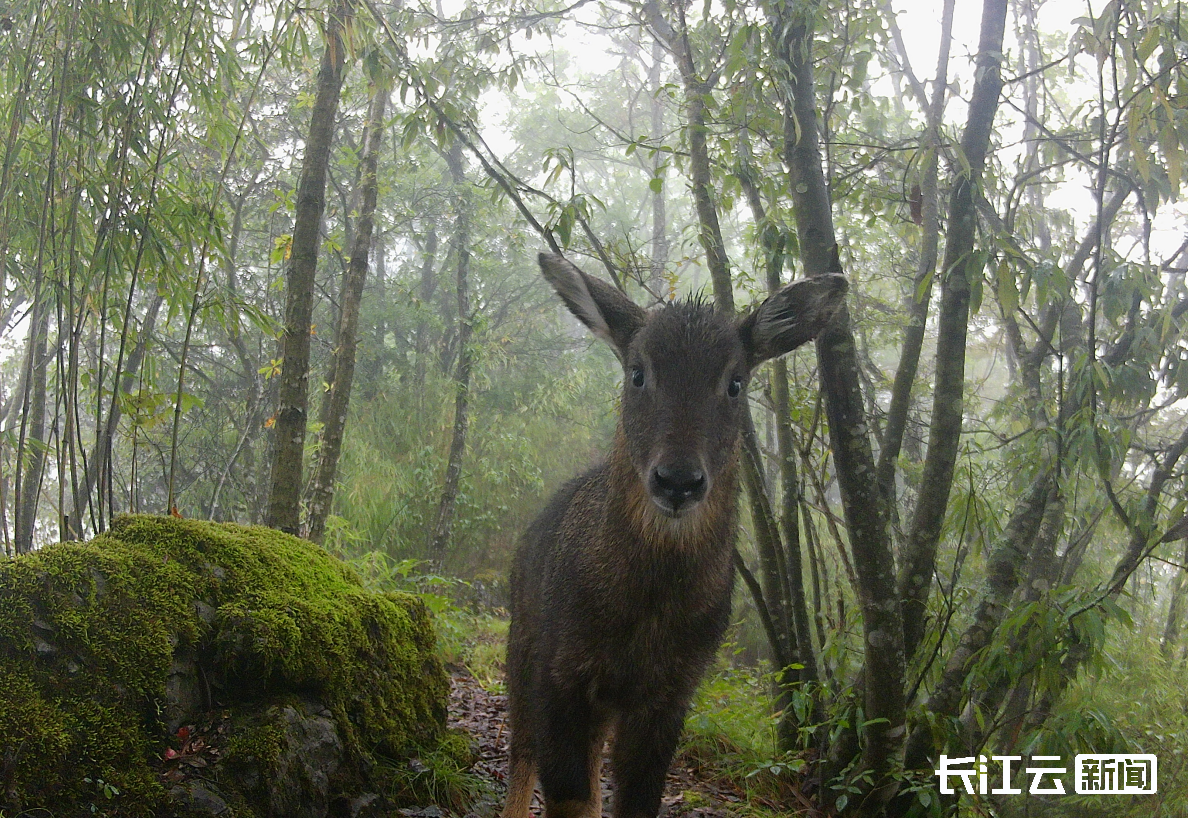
[[482, 714]]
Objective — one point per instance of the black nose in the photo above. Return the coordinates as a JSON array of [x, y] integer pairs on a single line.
[[678, 486]]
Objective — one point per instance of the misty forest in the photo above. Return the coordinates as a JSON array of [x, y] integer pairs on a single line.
[[275, 264]]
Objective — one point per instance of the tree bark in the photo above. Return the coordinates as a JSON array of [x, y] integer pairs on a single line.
[[98, 464], [700, 170], [284, 502], [336, 399], [1175, 608], [981, 717], [1142, 531], [31, 446], [961, 265], [862, 499], [659, 201], [428, 285], [449, 493], [771, 596], [1004, 569], [918, 300], [788, 580]]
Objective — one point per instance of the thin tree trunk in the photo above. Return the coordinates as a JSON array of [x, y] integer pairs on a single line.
[[449, 492], [1175, 608], [379, 330], [913, 333], [337, 398], [1004, 569], [97, 466], [32, 442], [700, 171], [819, 573], [981, 716], [961, 265], [428, 286], [772, 599], [862, 499], [8, 547], [786, 583], [31, 446], [659, 200], [71, 325], [284, 502]]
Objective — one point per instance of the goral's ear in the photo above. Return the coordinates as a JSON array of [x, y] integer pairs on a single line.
[[791, 317], [608, 313]]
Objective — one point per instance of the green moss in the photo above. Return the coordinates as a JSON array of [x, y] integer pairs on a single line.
[[692, 799], [456, 747], [256, 744], [90, 633]]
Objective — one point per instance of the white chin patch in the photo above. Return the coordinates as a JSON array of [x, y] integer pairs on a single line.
[[671, 513]]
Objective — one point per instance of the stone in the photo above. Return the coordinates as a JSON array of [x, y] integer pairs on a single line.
[[168, 652]]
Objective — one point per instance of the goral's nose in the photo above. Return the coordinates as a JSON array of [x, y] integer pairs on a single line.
[[678, 486]]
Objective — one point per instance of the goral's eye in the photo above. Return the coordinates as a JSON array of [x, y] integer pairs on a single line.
[[637, 377], [735, 388]]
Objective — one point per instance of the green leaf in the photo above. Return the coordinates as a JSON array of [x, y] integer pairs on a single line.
[[924, 287], [565, 225], [975, 292], [1008, 288]]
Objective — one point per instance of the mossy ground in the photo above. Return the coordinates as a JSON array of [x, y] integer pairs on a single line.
[[91, 635]]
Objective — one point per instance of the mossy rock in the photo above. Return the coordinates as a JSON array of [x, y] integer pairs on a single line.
[[108, 647]]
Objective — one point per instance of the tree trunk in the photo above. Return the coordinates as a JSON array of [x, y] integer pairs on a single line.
[[284, 502], [862, 499], [918, 299], [700, 171], [1004, 569], [428, 285], [786, 582], [961, 265], [98, 465], [449, 492], [379, 330], [981, 717], [1175, 608], [336, 399], [31, 446], [659, 201]]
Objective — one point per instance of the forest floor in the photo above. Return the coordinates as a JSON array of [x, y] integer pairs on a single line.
[[690, 792]]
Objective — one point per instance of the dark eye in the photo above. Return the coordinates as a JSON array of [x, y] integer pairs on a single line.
[[637, 378], [735, 387]]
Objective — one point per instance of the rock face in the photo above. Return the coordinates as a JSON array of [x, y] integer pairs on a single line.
[[178, 667]]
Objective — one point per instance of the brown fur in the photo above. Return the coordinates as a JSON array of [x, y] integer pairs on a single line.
[[621, 588]]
